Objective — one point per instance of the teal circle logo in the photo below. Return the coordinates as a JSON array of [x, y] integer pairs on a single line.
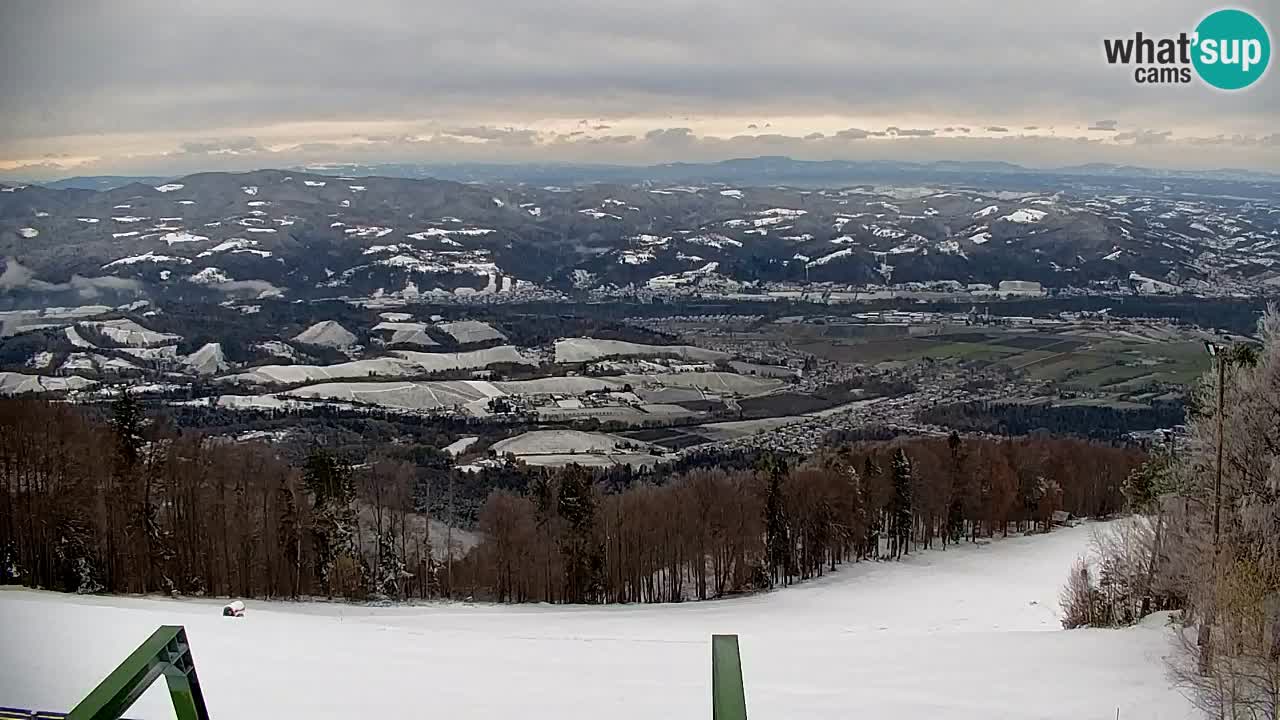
[[1232, 49]]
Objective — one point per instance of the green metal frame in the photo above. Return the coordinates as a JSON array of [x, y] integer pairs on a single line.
[[728, 698], [166, 653]]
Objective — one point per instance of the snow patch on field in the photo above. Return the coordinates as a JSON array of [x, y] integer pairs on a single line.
[[831, 257], [169, 187], [28, 233], [967, 634], [578, 350], [12, 383], [328, 333], [231, 245], [148, 257], [182, 237], [130, 334], [471, 331], [1025, 215]]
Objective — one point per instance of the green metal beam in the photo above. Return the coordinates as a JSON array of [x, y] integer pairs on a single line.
[[166, 653], [728, 699]]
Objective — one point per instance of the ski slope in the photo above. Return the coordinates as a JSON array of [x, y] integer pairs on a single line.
[[969, 634]]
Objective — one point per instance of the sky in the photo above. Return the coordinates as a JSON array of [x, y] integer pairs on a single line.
[[169, 87]]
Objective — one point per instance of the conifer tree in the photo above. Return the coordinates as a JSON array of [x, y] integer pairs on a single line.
[[901, 506]]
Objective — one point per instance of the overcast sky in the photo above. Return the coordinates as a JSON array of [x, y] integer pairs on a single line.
[[174, 86]]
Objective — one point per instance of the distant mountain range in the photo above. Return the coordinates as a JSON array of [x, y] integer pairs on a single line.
[[306, 235], [771, 170]]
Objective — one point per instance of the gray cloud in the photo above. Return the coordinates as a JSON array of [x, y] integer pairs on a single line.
[[227, 146], [909, 132], [852, 134], [1144, 137], [245, 69], [996, 129], [507, 135], [1104, 125]]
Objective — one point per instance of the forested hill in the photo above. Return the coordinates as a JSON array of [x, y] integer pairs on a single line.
[[134, 506]]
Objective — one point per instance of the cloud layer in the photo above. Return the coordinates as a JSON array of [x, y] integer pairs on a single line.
[[184, 84]]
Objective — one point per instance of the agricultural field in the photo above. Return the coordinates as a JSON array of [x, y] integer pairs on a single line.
[[1114, 362]]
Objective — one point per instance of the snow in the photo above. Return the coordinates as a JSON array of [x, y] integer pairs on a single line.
[[210, 276], [76, 340], [986, 211], [561, 442], [261, 230], [146, 257], [170, 187], [460, 446], [830, 257], [231, 245], [1025, 215], [131, 233], [182, 236], [731, 193], [980, 238], [208, 360], [12, 383], [88, 220], [314, 183], [357, 188], [129, 218], [28, 233], [578, 350], [471, 331], [714, 240], [966, 634], [249, 189], [399, 332], [129, 333], [326, 332]]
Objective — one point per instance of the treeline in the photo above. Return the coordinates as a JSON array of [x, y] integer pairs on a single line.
[[1098, 422], [118, 502], [134, 505], [712, 532], [1205, 540]]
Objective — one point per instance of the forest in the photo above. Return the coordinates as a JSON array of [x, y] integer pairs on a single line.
[[1203, 540], [124, 503], [1098, 422]]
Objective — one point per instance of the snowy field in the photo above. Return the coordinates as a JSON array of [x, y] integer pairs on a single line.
[[966, 634]]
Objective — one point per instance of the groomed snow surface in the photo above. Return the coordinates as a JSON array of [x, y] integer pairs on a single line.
[[969, 634]]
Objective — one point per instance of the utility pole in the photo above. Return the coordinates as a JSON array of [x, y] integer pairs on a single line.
[[1217, 481]]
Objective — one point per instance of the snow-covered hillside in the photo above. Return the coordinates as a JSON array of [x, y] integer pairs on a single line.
[[966, 634]]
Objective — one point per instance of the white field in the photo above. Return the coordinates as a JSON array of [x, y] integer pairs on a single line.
[[552, 442], [404, 363], [326, 332], [969, 634], [576, 350], [130, 334], [474, 395], [471, 331], [718, 382], [13, 383]]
